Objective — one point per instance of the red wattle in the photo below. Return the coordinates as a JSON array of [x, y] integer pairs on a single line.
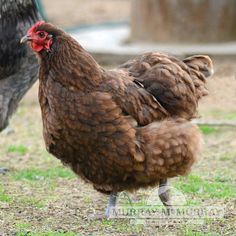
[[36, 47]]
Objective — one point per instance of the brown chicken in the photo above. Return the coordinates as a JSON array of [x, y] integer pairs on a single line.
[[119, 129]]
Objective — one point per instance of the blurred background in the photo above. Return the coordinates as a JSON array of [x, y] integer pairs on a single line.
[[152, 20], [39, 196], [73, 13]]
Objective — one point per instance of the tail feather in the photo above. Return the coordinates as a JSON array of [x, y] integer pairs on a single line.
[[201, 63], [171, 147]]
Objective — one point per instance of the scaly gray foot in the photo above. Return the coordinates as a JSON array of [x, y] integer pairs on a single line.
[[111, 205], [164, 194]]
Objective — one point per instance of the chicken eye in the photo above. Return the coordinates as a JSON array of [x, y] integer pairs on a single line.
[[41, 34]]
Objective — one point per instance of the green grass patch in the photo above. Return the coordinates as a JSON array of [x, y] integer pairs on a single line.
[[223, 177], [49, 233], [32, 202], [194, 230], [44, 174], [88, 199], [19, 149], [129, 229], [230, 116], [3, 196], [189, 232], [227, 156], [207, 130], [214, 189], [22, 225], [120, 227], [193, 202]]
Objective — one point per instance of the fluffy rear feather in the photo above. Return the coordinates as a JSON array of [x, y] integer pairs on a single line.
[[177, 85], [171, 147], [201, 63]]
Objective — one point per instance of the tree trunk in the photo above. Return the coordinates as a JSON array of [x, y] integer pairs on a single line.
[[179, 21]]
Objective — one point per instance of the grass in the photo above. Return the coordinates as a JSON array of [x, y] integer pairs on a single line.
[[3, 196], [41, 197], [122, 227], [23, 225], [189, 232], [228, 156], [43, 174], [31, 202], [207, 130], [18, 149], [49, 233], [230, 116], [209, 189]]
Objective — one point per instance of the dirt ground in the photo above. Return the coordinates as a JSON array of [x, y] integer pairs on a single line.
[[40, 197]]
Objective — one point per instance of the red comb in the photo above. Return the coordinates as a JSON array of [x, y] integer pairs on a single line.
[[34, 27]]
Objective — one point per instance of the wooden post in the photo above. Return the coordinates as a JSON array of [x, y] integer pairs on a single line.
[[193, 21]]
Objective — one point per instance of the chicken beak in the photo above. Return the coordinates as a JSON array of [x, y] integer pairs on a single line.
[[25, 39]]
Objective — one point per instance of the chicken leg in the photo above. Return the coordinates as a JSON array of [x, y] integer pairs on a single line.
[[164, 193], [111, 204]]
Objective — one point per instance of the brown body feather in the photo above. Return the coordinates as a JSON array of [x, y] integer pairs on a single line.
[[120, 129]]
